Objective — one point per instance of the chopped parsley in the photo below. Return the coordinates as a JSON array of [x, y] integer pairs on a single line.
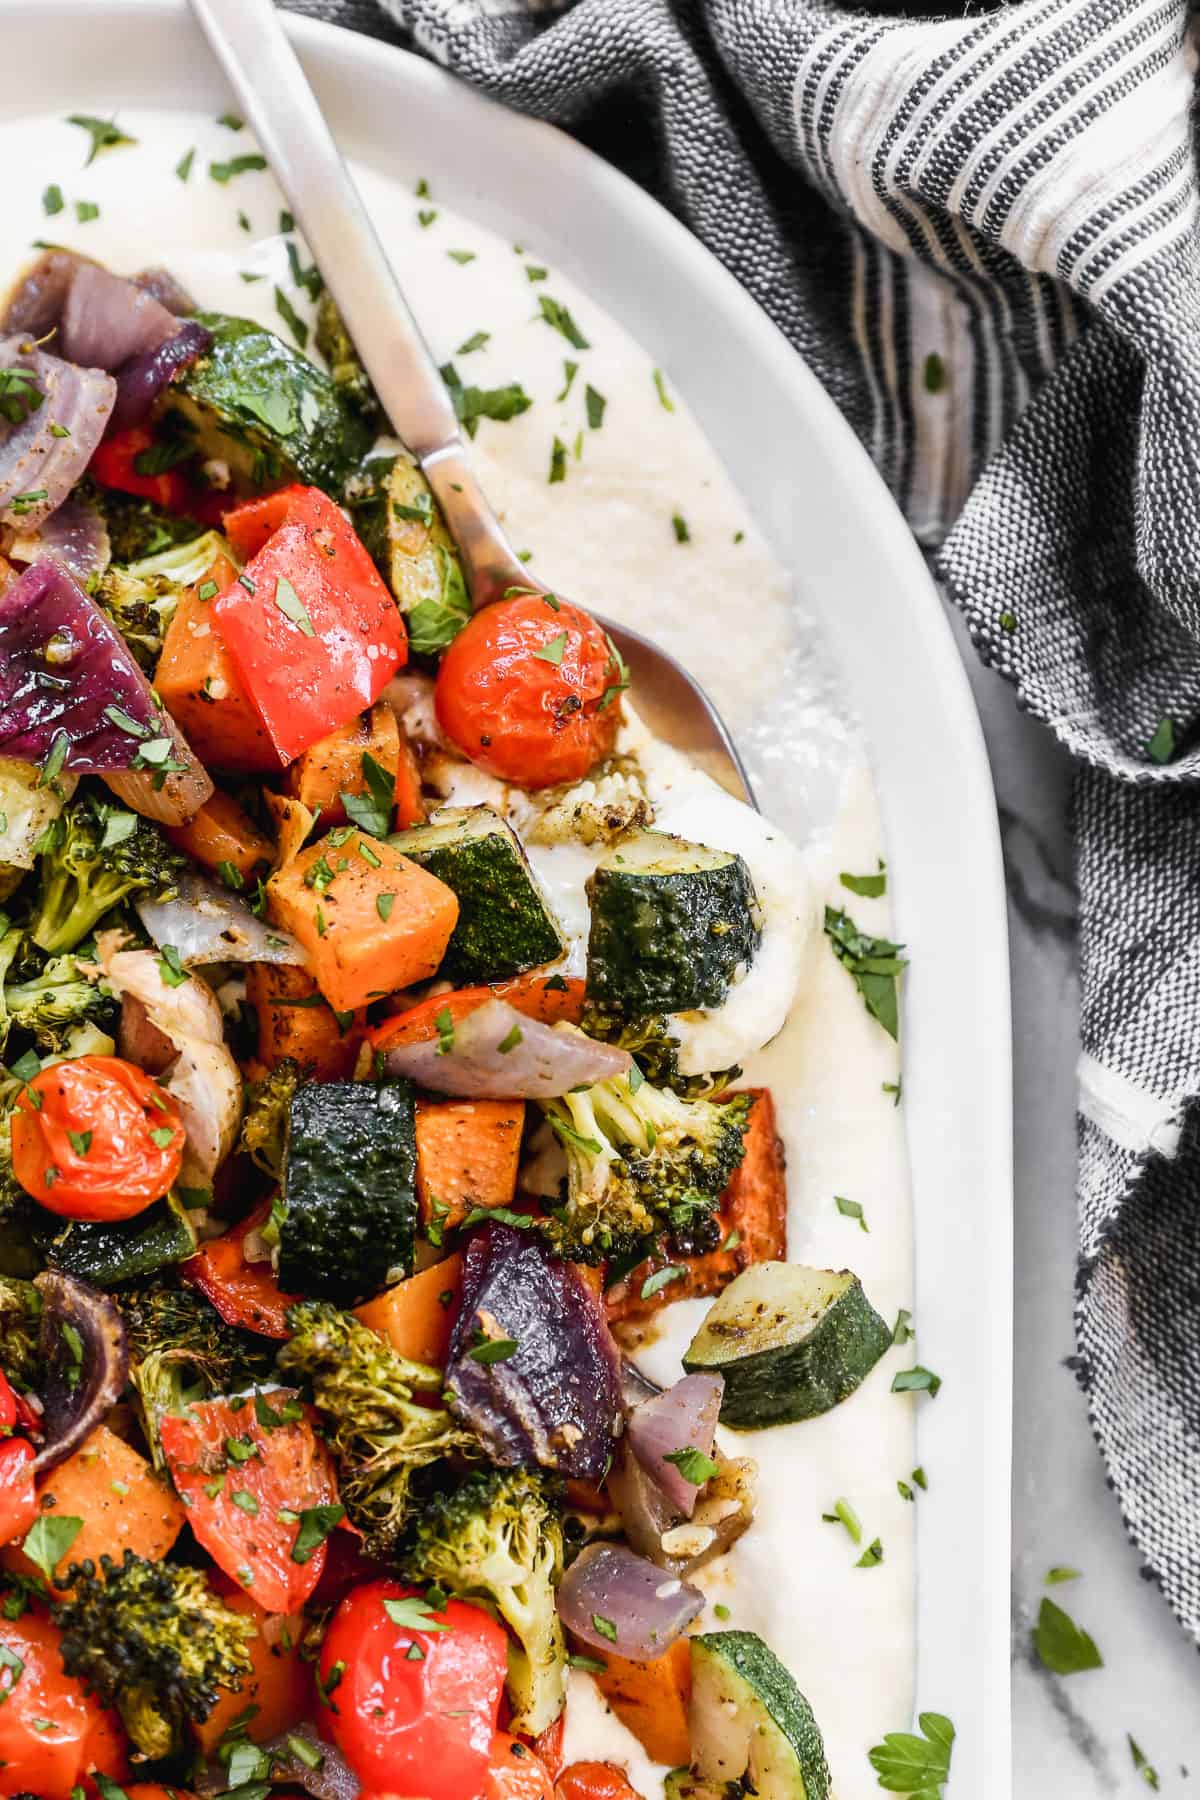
[[493, 1350], [869, 886], [414, 1613], [237, 165], [596, 404], [52, 200], [844, 1514], [81, 1141], [871, 1557], [461, 256], [1148, 1773], [291, 318], [570, 371], [472, 404], [902, 1330], [873, 963], [48, 1540], [659, 1279], [1062, 1646], [695, 1467], [372, 811], [292, 607], [316, 1523], [444, 1023], [183, 168], [476, 341], [104, 133], [1060, 1573], [510, 1040], [851, 1209], [660, 388], [558, 461], [679, 526], [171, 968], [552, 650], [907, 1764], [604, 1627], [86, 211], [555, 314], [916, 1381]]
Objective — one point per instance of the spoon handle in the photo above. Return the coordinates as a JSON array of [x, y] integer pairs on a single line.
[[272, 89]]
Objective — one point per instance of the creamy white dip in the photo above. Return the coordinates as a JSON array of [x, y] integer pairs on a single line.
[[605, 535]]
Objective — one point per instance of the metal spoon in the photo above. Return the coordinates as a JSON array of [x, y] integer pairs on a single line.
[[273, 91]]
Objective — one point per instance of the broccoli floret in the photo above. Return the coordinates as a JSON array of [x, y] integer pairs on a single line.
[[181, 1350], [92, 857], [56, 1000], [153, 1640], [140, 597], [650, 1042], [20, 1318], [379, 1432], [265, 1121], [641, 1161], [499, 1537], [137, 528]]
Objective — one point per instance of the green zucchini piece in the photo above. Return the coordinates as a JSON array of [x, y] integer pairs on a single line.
[[400, 522], [345, 365], [751, 1729], [122, 1249], [266, 410], [504, 925], [791, 1342], [349, 1189], [672, 922]]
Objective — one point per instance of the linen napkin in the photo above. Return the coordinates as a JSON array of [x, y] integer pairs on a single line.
[[982, 234]]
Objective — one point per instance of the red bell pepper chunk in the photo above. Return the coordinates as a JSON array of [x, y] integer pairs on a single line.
[[244, 1293], [18, 1501], [114, 466], [314, 633]]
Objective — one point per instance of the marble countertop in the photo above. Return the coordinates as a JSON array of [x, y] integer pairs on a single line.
[[1070, 1735]]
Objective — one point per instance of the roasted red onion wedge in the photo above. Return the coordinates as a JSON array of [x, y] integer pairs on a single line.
[[611, 1599], [85, 1362], [532, 1367], [74, 535], [72, 695], [35, 304], [663, 1430], [497, 1053], [208, 924], [162, 286], [317, 1766], [105, 320], [142, 379], [54, 415]]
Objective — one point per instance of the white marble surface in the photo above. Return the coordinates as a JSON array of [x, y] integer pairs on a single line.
[[1070, 1734]]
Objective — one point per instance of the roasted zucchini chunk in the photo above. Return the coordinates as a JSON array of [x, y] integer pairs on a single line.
[[261, 407], [504, 925], [672, 923]]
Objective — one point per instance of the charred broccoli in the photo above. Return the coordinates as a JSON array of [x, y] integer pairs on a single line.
[[376, 1428], [656, 1052], [265, 1121], [641, 1162], [140, 598], [92, 857], [54, 1001], [137, 528], [153, 1640], [20, 1318], [498, 1537], [180, 1350]]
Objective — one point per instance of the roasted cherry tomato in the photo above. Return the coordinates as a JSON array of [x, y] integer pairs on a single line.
[[95, 1138], [252, 1474], [530, 691], [594, 1781], [33, 1688], [18, 1502], [8, 1405], [244, 1293], [515, 1773], [413, 1709]]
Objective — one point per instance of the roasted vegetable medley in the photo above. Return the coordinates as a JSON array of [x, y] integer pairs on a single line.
[[341, 1169]]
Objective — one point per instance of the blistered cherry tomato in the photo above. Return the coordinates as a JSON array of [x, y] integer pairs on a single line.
[[515, 1773], [95, 1138], [246, 1473], [18, 1502], [413, 1709], [530, 691], [33, 1688]]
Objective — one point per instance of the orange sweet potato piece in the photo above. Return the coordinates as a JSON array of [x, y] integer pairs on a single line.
[[467, 1155], [201, 689], [371, 921], [652, 1700], [295, 1020], [278, 1690], [753, 1216], [333, 766], [416, 1316], [122, 1502], [222, 833]]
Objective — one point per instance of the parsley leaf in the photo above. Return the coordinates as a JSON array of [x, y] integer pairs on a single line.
[[907, 1764], [316, 1523], [1062, 1646], [48, 1540], [851, 1209], [695, 1467], [555, 314], [372, 810], [869, 886], [414, 1613], [916, 1381], [104, 134], [472, 403], [874, 964], [433, 624], [292, 607]]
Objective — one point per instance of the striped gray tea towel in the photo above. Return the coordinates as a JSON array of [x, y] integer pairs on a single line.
[[982, 234]]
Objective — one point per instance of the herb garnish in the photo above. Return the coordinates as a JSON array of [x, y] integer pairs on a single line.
[[372, 810], [1062, 1646], [871, 1557], [476, 341], [555, 314], [52, 200], [558, 461], [907, 1764], [48, 1540], [183, 168], [1060, 1573], [605, 1627], [316, 1523], [660, 388], [292, 607], [291, 317], [444, 1021], [874, 964], [20, 395], [104, 134], [869, 886], [695, 1467], [915, 1381], [596, 404], [844, 1514], [659, 1279], [1148, 1774], [851, 1209], [570, 371], [237, 165], [414, 1613], [552, 650], [472, 404], [171, 968], [680, 527], [493, 1350]]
